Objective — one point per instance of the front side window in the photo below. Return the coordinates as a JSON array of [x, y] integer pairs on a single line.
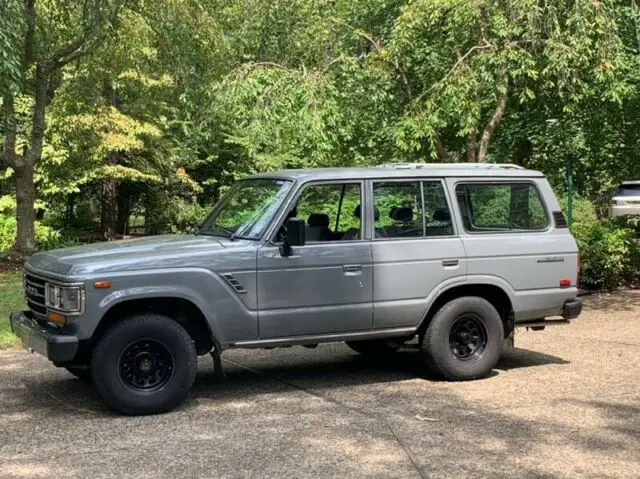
[[248, 208], [501, 207], [331, 211], [407, 209]]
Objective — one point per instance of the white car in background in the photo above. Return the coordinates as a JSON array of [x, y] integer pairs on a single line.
[[626, 201]]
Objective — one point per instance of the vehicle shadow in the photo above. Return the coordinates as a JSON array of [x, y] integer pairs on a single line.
[[250, 373]]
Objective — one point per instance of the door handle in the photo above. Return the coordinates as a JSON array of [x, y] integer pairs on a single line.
[[352, 269], [450, 262]]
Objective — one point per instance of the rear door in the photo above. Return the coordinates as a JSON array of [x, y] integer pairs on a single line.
[[415, 248]]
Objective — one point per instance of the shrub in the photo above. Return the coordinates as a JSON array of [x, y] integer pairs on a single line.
[[46, 237], [173, 215], [608, 254]]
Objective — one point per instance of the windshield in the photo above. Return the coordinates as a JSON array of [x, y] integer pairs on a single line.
[[246, 211], [629, 190]]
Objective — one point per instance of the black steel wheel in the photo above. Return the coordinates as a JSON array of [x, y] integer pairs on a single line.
[[468, 338], [464, 339], [146, 365]]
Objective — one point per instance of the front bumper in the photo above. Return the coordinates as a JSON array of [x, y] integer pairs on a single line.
[[44, 341]]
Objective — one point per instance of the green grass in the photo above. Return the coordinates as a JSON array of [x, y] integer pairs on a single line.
[[11, 300]]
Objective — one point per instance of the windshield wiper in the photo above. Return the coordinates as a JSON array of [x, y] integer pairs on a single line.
[[227, 233]]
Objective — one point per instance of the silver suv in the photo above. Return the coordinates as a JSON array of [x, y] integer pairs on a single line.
[[454, 256], [626, 200]]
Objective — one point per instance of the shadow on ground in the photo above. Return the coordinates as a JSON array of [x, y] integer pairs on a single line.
[[325, 412], [628, 300], [264, 372]]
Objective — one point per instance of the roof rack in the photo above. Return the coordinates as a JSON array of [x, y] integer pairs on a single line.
[[487, 166]]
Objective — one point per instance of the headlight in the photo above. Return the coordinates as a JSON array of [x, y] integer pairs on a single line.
[[66, 299], [620, 203]]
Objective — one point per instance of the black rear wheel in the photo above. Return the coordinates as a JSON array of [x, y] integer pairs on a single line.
[[144, 365], [464, 339]]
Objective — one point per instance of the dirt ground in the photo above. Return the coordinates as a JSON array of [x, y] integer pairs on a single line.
[[564, 403]]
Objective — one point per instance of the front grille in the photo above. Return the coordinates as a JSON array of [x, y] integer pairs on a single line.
[[34, 292]]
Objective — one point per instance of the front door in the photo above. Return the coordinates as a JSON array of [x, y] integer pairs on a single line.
[[325, 286]]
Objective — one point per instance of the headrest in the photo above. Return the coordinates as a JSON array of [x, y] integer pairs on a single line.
[[442, 215], [318, 219], [402, 213], [293, 213], [358, 212]]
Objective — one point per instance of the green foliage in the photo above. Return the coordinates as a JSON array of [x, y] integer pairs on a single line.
[[11, 31], [609, 255], [166, 214], [46, 237], [11, 300]]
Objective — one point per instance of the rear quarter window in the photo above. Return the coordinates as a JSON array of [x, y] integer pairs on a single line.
[[501, 207], [628, 190]]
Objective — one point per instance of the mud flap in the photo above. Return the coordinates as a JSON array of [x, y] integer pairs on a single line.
[[218, 369]]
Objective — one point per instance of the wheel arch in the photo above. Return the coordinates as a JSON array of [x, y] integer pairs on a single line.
[[182, 310], [493, 293]]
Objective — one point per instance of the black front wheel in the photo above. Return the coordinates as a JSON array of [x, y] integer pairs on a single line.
[[464, 339], [144, 365]]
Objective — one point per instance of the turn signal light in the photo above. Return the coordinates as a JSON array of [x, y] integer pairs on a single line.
[[564, 283], [102, 284], [56, 318]]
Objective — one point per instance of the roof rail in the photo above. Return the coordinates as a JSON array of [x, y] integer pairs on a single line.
[[506, 166]]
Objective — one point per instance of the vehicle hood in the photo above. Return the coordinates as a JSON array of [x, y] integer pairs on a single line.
[[168, 251]]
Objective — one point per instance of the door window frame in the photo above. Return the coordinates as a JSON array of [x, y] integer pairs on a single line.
[[299, 189], [421, 181]]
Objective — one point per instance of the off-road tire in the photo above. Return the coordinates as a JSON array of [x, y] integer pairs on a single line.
[[440, 343], [113, 353]]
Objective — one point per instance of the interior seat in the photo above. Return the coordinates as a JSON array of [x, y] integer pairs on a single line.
[[354, 233], [318, 227], [442, 216]]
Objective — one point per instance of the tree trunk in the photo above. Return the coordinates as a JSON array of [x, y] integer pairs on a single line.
[[109, 210], [471, 148], [25, 212], [496, 118], [109, 213], [109, 207]]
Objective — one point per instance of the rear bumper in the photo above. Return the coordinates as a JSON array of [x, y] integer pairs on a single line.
[[36, 338], [623, 210], [572, 308]]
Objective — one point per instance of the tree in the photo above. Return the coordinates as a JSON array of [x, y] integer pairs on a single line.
[[470, 61], [56, 33]]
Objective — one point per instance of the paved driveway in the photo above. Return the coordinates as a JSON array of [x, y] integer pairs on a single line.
[[566, 403]]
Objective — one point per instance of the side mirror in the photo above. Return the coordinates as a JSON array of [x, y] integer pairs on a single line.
[[295, 235]]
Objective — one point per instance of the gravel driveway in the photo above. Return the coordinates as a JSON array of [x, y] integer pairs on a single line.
[[565, 403]]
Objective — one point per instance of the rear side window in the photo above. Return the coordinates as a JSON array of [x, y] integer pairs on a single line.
[[628, 190], [501, 207], [405, 209]]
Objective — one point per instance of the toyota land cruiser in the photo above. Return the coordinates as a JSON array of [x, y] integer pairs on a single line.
[[456, 256]]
